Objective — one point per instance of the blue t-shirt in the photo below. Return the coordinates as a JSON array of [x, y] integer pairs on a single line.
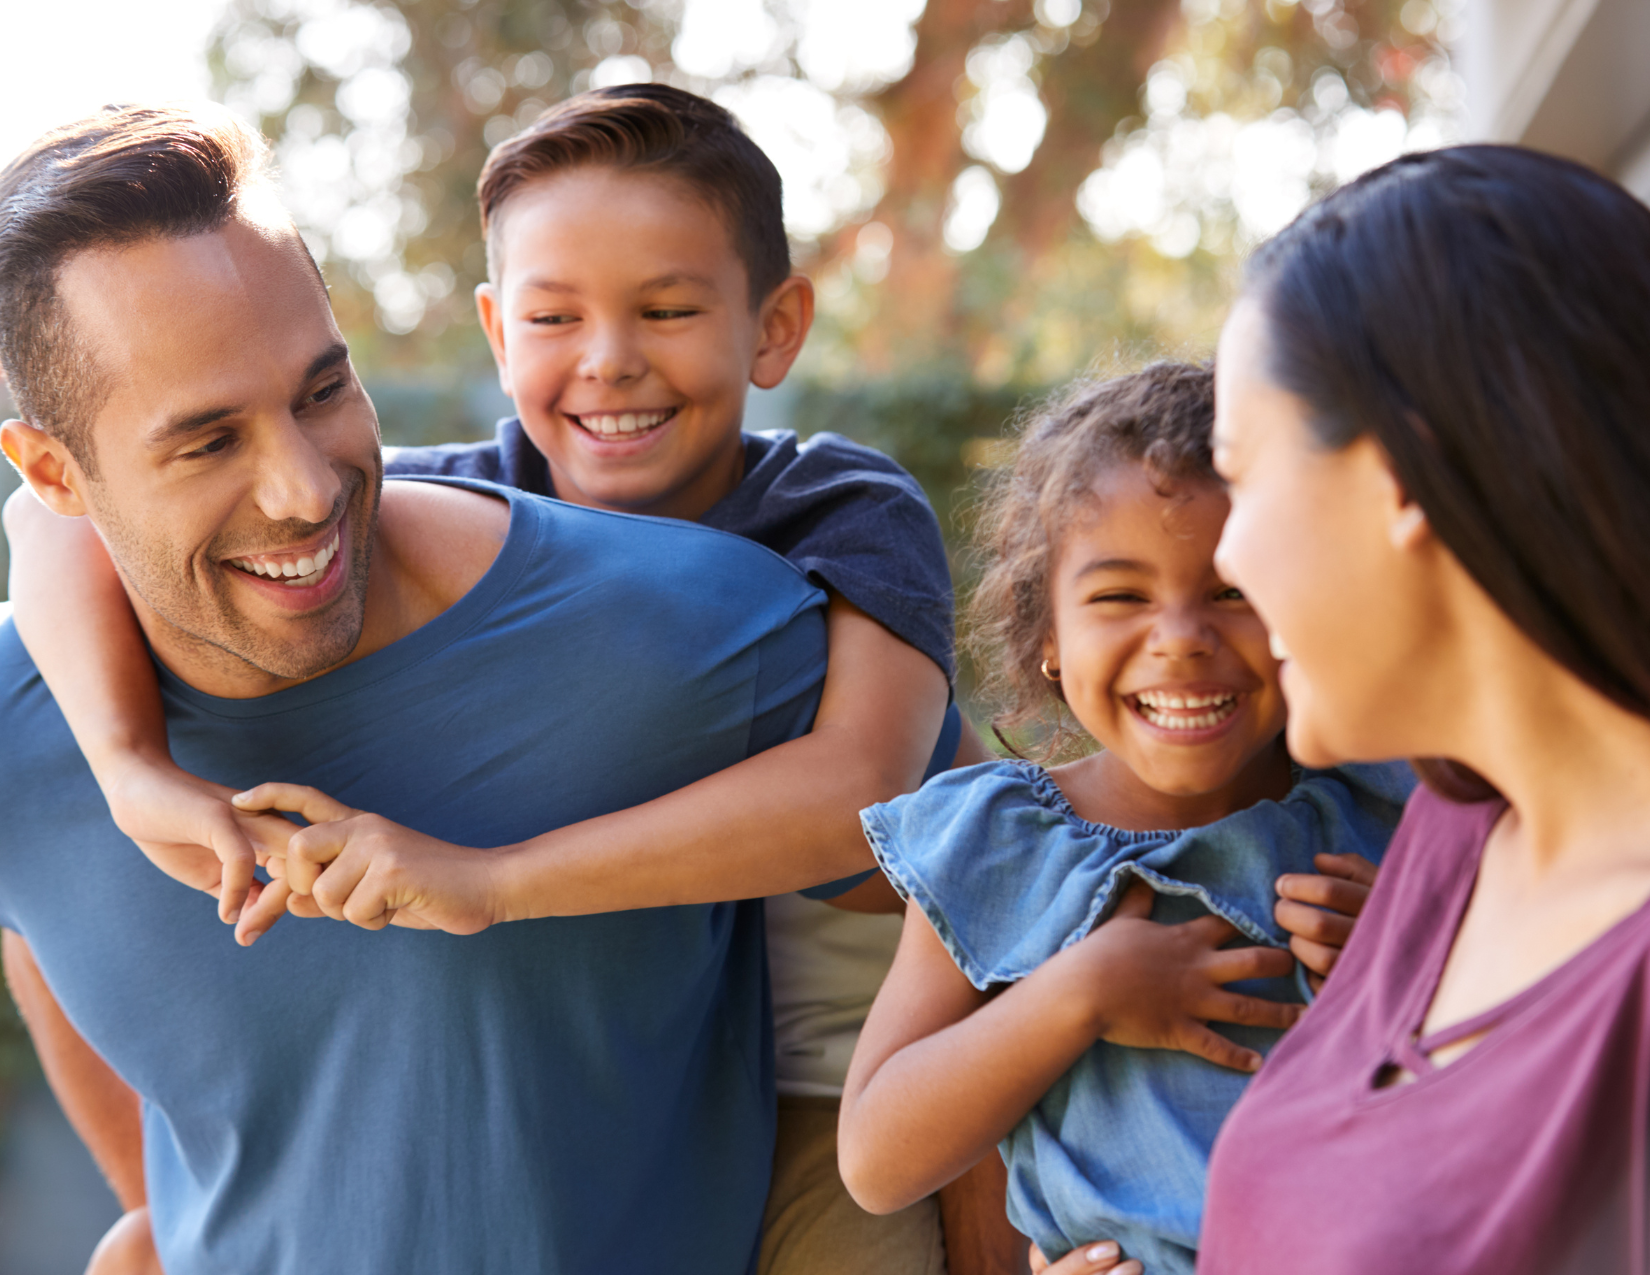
[[844, 514], [555, 1096], [1008, 874]]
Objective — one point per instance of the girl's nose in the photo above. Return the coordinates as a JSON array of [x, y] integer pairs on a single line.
[[1183, 633]]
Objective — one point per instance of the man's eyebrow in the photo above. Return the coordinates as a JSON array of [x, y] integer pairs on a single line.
[[177, 427]]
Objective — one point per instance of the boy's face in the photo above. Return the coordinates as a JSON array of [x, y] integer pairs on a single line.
[[623, 329]]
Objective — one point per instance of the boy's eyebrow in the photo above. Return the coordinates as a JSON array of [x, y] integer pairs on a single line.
[[176, 427], [541, 284], [1113, 564]]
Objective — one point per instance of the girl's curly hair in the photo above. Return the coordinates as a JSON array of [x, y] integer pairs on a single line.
[[1160, 417]]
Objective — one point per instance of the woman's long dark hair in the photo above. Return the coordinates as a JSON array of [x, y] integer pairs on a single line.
[[1484, 312]]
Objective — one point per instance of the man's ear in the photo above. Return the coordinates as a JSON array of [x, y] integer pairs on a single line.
[[490, 311], [46, 466], [784, 321]]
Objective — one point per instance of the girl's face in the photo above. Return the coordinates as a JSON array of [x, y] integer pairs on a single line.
[[1320, 541], [1160, 659]]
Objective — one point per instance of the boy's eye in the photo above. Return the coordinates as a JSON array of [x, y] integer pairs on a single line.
[[662, 312], [552, 320]]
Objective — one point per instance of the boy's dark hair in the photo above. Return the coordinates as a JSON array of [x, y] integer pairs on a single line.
[[1480, 311], [656, 129], [1161, 417], [125, 174]]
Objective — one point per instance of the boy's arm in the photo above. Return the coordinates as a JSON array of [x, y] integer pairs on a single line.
[[943, 1071], [783, 820], [73, 615]]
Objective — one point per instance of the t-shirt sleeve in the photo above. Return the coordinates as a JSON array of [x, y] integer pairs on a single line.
[[852, 520], [789, 679]]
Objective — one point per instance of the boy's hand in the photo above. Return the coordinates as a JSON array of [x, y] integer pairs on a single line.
[[190, 831], [370, 872], [1159, 986], [1319, 910]]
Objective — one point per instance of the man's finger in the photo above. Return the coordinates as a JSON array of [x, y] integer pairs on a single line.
[[1330, 929], [1255, 1011], [310, 803]]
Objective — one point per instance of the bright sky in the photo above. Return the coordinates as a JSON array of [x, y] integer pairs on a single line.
[[64, 60]]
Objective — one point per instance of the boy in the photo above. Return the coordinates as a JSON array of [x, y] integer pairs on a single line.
[[639, 280]]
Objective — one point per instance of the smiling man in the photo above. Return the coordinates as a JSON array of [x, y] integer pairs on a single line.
[[547, 1096]]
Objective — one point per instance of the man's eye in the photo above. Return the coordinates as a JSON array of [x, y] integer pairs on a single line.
[[327, 392], [213, 447]]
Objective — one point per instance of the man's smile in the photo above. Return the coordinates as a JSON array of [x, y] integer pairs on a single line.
[[296, 569]]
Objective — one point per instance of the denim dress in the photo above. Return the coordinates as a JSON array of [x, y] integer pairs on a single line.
[[1008, 875]]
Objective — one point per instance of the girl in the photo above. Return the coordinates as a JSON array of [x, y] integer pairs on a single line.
[[1095, 1066], [1441, 499]]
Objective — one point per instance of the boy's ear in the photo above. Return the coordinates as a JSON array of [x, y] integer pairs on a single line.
[[491, 313], [46, 466], [784, 321]]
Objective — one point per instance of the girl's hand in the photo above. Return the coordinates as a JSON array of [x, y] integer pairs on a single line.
[[363, 869], [1088, 1260], [1319, 910], [190, 831], [1159, 986]]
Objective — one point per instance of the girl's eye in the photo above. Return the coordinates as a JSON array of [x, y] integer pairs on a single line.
[[1230, 595], [1119, 596]]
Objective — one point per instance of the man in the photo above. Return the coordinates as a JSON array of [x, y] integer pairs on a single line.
[[558, 1095]]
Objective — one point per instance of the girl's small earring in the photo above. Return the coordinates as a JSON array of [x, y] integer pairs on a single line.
[[1054, 676]]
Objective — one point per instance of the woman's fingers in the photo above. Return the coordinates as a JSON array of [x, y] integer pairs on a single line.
[[1086, 1260], [1334, 893], [313, 805]]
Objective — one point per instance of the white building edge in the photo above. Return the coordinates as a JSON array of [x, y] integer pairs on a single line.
[[1567, 76]]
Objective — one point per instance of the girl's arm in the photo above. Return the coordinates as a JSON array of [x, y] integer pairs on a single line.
[[73, 615], [943, 1071], [783, 820]]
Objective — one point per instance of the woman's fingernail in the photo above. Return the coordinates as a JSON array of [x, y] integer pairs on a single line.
[[1100, 1252]]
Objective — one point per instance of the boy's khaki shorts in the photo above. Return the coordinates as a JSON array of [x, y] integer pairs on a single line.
[[812, 1225]]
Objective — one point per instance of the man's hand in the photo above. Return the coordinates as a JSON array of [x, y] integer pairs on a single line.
[[1090, 1259], [370, 872], [188, 829], [1159, 986], [127, 1248], [1319, 910]]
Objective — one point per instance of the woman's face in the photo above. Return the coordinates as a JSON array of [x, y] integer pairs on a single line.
[[1323, 544]]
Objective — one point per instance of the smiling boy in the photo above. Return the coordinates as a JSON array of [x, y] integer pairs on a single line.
[[639, 283]]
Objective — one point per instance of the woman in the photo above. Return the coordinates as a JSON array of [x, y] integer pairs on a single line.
[[1434, 414]]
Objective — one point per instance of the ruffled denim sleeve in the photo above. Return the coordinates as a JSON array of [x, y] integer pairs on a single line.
[[1009, 875]]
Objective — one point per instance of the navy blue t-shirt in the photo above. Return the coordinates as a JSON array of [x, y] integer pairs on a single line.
[[558, 1096], [844, 514]]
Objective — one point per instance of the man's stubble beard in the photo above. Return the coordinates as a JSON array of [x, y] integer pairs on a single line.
[[201, 613]]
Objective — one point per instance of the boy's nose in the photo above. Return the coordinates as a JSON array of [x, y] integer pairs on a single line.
[[613, 357]]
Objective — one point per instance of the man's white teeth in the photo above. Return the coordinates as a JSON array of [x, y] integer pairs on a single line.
[[1169, 711], [302, 572], [1279, 651], [628, 423]]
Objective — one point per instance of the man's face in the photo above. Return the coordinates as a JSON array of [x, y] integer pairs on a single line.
[[623, 330], [237, 454]]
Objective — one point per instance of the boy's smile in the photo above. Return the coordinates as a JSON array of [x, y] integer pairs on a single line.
[[624, 330]]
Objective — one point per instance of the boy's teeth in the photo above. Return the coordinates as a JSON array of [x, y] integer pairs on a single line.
[[626, 423]]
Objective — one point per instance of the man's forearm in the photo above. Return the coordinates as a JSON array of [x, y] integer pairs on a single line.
[[102, 1107]]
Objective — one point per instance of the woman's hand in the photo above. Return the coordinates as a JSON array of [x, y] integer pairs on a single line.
[[1088, 1260], [1319, 909], [127, 1248], [1159, 986]]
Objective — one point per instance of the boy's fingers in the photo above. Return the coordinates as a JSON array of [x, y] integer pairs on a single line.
[[1330, 929], [239, 860], [1255, 1011], [1249, 962], [262, 910], [1350, 867], [1317, 957], [310, 850], [310, 803], [1211, 1045]]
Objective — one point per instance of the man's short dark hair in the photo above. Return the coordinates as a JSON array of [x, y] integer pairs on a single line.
[[657, 129], [126, 174]]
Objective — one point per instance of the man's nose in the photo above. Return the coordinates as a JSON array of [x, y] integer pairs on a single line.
[[612, 354], [296, 480]]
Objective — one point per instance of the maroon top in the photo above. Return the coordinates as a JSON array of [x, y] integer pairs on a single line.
[[1525, 1154]]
